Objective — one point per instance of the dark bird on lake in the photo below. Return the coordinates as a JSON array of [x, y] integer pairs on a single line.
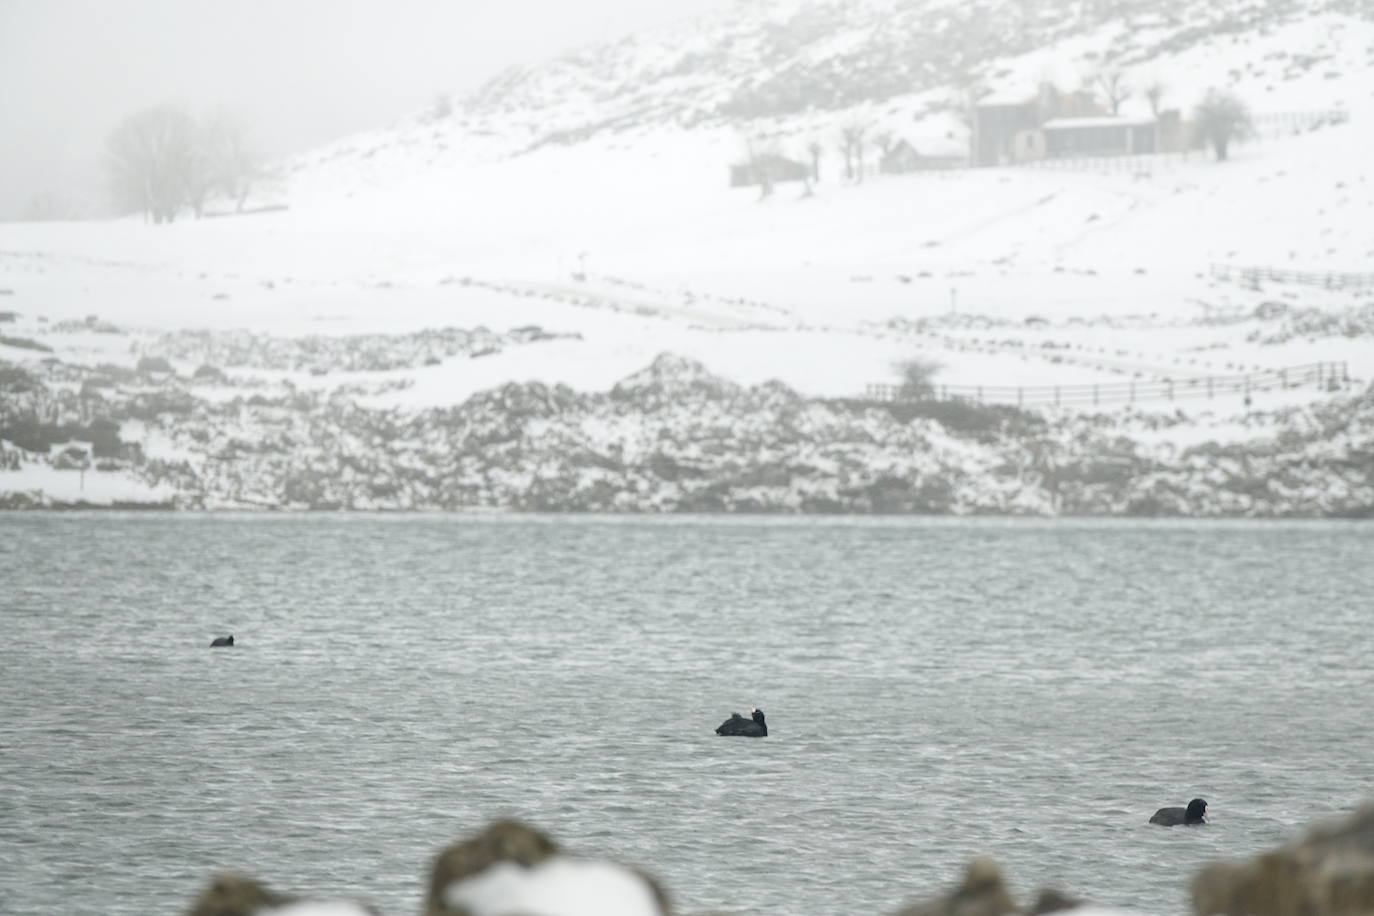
[[221, 641], [1190, 816], [753, 727]]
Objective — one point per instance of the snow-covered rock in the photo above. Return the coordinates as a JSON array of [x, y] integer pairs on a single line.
[[557, 886]]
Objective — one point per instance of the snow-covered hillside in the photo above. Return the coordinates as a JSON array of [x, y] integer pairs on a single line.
[[569, 223]]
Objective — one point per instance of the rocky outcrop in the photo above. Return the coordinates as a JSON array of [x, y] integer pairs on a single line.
[[236, 895], [512, 868], [1328, 871], [241, 349], [675, 438], [670, 382], [509, 867], [501, 841], [983, 892]]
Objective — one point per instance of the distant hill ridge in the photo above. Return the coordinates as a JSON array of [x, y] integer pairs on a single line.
[[803, 68], [780, 57]]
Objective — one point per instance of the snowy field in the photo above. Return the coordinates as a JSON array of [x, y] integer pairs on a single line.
[[800, 290]]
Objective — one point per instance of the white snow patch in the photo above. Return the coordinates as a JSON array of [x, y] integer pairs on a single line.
[[92, 486], [318, 908], [555, 887]]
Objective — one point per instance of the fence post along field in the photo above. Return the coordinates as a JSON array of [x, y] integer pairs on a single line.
[[1253, 276], [1323, 376]]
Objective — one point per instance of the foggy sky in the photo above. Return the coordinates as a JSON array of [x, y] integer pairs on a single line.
[[299, 72]]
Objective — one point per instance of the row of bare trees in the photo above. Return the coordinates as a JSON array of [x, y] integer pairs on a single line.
[[851, 142], [854, 138], [1220, 118], [1111, 86], [163, 161]]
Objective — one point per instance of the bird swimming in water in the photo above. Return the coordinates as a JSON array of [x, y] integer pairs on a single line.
[[1191, 816], [753, 727], [219, 641]]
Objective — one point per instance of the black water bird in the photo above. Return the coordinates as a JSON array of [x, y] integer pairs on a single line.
[[1190, 816], [219, 641], [753, 727]]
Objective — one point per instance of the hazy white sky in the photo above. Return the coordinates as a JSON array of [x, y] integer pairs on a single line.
[[300, 71]]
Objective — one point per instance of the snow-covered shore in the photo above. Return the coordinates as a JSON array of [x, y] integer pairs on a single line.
[[671, 438]]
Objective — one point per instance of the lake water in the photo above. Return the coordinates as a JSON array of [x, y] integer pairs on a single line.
[[935, 689]]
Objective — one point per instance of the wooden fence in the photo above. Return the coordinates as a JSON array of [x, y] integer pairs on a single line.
[[1328, 376], [1284, 123], [1131, 163], [1327, 279], [1264, 126]]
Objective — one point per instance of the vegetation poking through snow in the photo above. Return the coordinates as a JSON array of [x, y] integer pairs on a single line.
[[675, 438]]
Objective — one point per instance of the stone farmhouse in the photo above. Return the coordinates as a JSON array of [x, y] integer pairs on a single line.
[[1058, 125]]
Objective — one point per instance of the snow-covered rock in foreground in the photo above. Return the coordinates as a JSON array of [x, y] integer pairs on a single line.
[[1328, 871], [236, 895], [557, 886], [510, 869]]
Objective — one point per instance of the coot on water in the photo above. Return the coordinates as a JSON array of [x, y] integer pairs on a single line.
[[1190, 816], [753, 727]]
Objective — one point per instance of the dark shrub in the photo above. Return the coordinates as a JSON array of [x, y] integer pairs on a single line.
[[148, 406], [963, 416], [25, 343], [150, 364], [35, 436], [14, 380], [209, 373]]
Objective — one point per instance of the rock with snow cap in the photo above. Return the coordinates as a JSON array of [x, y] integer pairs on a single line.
[[558, 886], [512, 870], [321, 908], [524, 400], [672, 380]]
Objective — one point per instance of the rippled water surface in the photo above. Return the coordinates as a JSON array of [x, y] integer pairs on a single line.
[[935, 689]]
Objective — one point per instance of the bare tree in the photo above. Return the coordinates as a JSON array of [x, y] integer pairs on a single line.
[[1222, 117], [852, 147], [760, 154], [197, 179], [47, 205], [883, 141], [151, 156], [232, 168], [161, 161], [1154, 93], [1112, 86], [814, 150], [917, 376]]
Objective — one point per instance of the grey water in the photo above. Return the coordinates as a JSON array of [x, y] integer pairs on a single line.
[[935, 690]]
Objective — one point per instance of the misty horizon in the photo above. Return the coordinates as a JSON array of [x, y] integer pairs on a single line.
[[297, 76]]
